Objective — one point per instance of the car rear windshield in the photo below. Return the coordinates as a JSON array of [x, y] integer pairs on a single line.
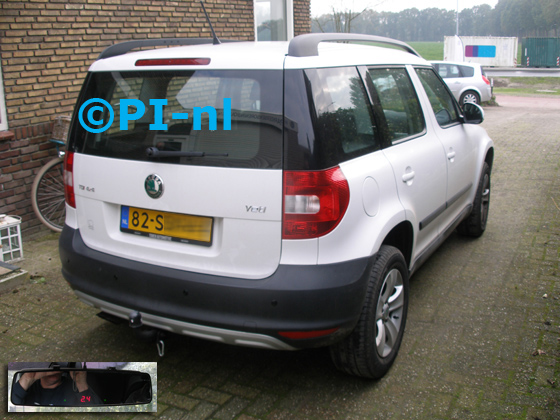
[[225, 118]]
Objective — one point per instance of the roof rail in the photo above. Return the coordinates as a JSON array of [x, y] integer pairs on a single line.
[[124, 47], [307, 45]]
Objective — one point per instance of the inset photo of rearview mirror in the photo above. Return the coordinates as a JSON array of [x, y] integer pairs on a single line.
[[82, 387]]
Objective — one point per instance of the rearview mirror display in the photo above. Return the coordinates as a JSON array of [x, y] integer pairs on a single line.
[[63, 386]]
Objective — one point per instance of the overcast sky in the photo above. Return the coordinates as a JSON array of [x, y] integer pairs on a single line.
[[319, 7]]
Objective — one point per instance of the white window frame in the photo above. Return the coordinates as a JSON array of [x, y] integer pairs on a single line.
[[289, 18], [3, 113]]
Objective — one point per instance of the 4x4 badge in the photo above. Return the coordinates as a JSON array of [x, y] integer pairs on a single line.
[[154, 186]]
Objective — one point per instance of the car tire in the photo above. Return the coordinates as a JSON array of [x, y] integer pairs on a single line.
[[371, 348], [475, 224], [470, 96]]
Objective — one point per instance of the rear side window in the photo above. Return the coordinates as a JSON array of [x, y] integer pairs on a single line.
[[467, 71], [328, 118], [441, 100], [449, 71], [399, 102], [253, 138]]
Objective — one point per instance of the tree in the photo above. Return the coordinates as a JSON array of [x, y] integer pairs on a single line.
[[341, 20], [551, 15], [466, 22], [508, 18], [517, 17], [483, 18]]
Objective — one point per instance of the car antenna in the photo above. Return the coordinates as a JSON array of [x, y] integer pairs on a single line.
[[214, 36]]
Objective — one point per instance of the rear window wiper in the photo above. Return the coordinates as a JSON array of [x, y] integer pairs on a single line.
[[154, 152]]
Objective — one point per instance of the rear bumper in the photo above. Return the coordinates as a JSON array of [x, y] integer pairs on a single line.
[[486, 94], [230, 310]]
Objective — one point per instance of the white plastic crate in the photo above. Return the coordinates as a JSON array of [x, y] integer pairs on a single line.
[[10, 238]]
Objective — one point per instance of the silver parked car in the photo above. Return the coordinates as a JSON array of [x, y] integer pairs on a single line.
[[466, 80]]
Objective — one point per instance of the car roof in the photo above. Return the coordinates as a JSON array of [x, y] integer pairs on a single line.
[[458, 63], [260, 55]]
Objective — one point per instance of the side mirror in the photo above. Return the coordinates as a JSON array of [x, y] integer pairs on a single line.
[[472, 113], [70, 387]]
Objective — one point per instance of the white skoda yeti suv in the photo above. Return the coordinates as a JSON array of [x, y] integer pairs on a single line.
[[275, 195]]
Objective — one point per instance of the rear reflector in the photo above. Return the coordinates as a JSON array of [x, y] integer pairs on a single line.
[[302, 204], [173, 62], [69, 179], [302, 335], [314, 202]]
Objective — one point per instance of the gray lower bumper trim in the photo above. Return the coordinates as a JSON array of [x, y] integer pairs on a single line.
[[199, 331]]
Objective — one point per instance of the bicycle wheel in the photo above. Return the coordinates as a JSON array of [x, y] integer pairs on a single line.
[[47, 195]]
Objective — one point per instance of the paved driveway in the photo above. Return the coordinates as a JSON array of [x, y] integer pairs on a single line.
[[482, 339]]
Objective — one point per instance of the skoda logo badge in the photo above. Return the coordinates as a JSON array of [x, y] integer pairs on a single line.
[[154, 186]]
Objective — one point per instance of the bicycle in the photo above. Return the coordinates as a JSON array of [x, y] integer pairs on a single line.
[[47, 191]]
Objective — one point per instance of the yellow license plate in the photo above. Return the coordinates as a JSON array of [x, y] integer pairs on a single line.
[[167, 226]]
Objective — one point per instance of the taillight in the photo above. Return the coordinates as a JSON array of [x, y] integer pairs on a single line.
[[69, 179], [314, 202], [486, 80]]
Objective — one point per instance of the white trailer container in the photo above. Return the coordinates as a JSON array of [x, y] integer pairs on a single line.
[[487, 51]]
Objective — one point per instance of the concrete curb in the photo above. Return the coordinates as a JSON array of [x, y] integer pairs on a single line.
[[13, 279]]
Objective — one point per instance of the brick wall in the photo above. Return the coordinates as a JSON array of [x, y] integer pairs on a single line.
[[23, 151], [302, 17], [46, 47]]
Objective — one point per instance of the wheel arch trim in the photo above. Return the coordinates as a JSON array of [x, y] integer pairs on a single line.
[[401, 236]]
